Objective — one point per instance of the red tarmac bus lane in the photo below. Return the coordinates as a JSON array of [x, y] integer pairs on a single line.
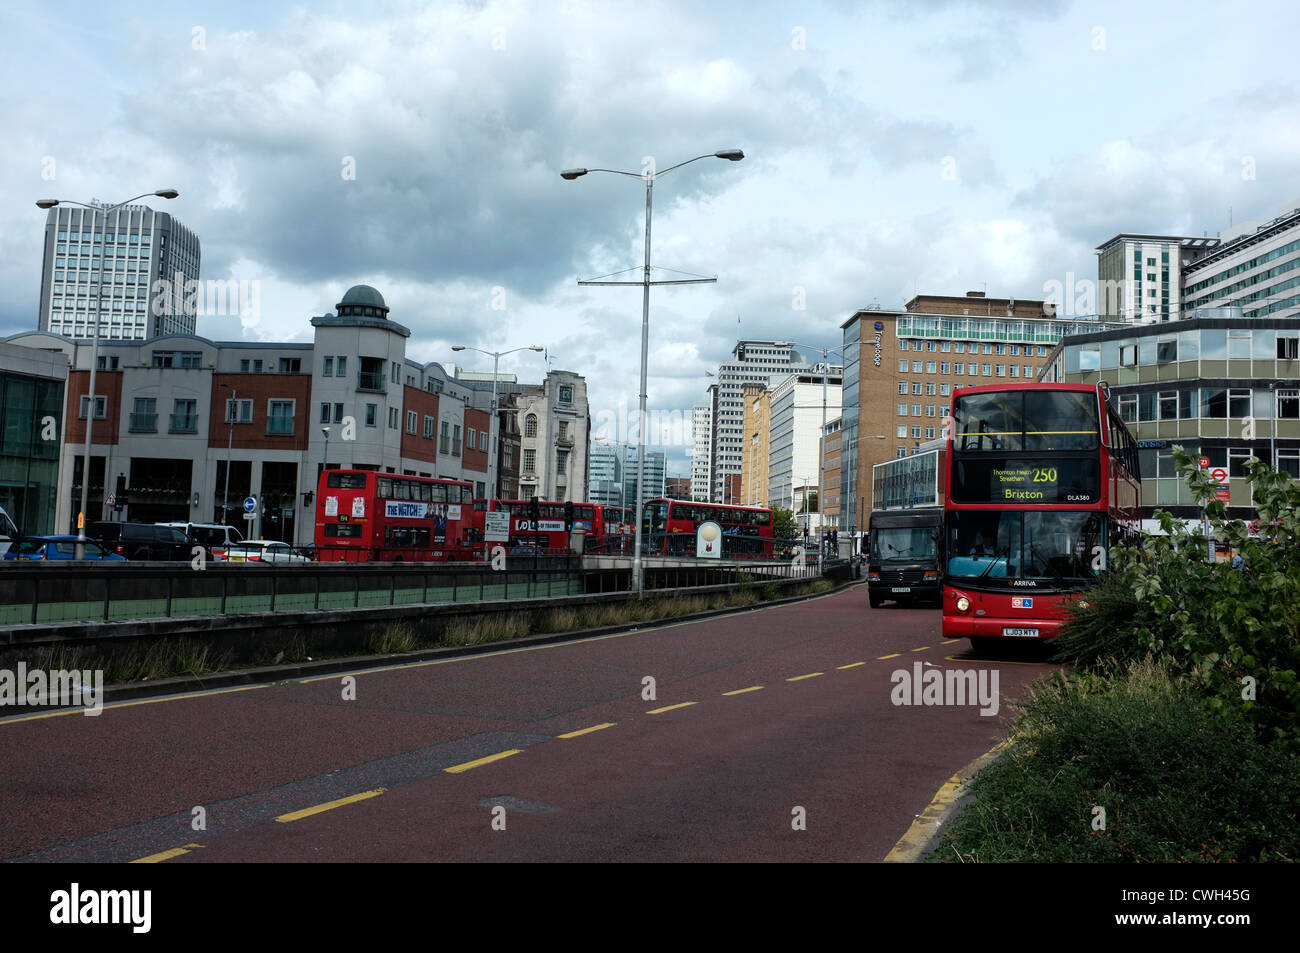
[[715, 780], [145, 761]]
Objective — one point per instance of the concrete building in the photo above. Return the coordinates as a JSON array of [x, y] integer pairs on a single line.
[[677, 488], [1253, 267], [153, 263], [1140, 278], [794, 461], [763, 362], [1224, 387], [701, 450], [605, 475], [754, 464], [171, 410], [33, 388], [655, 474], [900, 368], [831, 446], [554, 422]]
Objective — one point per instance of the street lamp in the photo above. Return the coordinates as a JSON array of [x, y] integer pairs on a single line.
[[732, 155], [493, 489], [231, 409], [80, 550]]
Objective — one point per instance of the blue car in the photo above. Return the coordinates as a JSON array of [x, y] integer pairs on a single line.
[[56, 547]]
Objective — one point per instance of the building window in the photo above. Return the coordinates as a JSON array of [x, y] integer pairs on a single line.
[[329, 367], [1288, 404], [902, 387], [393, 420], [429, 427], [902, 365], [444, 438], [929, 410], [290, 365], [1167, 351], [901, 451], [902, 431], [959, 367], [101, 407], [944, 389], [372, 414], [1239, 403], [185, 416], [1288, 461], [471, 439], [530, 425], [1026, 371], [189, 359], [341, 366], [1168, 401], [987, 369], [1288, 347], [279, 417], [324, 413], [902, 410], [1002, 370], [916, 366], [929, 433], [916, 410], [902, 345], [412, 421], [943, 367], [916, 387], [239, 411], [561, 462], [930, 367], [530, 461], [916, 432], [144, 418], [455, 440], [929, 388], [1015, 370]]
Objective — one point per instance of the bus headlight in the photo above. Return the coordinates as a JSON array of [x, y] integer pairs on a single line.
[[1083, 604], [873, 577], [931, 575], [963, 604]]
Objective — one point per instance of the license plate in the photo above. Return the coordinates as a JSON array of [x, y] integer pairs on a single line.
[[1019, 633], [901, 589]]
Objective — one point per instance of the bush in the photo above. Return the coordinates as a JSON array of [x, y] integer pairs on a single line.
[[1178, 782]]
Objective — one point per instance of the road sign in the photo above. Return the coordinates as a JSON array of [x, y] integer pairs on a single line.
[[112, 498], [496, 526], [1224, 494], [1219, 476], [250, 504], [1204, 462], [250, 516]]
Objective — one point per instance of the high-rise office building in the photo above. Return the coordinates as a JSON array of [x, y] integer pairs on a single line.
[[152, 263]]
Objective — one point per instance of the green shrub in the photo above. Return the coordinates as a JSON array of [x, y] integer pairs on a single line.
[[1178, 782]]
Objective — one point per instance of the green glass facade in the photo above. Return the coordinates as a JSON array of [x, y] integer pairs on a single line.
[[32, 411]]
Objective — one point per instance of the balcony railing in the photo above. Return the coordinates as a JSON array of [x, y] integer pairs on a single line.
[[184, 423], [370, 380], [144, 423]]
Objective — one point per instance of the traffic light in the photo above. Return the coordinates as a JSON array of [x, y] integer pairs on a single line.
[[568, 515], [534, 511], [120, 493], [307, 497]]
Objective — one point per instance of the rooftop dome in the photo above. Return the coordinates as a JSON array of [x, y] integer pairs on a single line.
[[363, 300]]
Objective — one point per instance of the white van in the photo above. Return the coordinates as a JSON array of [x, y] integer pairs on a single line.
[[8, 531], [214, 537]]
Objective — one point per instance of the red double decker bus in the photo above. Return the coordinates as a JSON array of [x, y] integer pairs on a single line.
[[670, 526], [549, 533], [364, 516], [1042, 479]]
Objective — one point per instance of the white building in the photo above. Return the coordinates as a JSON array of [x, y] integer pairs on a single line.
[[1140, 278], [794, 456], [1254, 267], [555, 434], [701, 449]]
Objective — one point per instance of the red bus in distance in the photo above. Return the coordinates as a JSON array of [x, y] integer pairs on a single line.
[[365, 516], [549, 535], [1041, 481], [670, 526]]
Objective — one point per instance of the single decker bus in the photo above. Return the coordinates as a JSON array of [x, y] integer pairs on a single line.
[[1042, 479]]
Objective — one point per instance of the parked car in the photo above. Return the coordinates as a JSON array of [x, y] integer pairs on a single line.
[[268, 551], [214, 537], [56, 547], [143, 540]]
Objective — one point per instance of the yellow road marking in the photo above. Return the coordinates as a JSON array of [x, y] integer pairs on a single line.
[[916, 840], [587, 731], [660, 711], [741, 691], [131, 704], [800, 678], [881, 658], [958, 658], [479, 762], [850, 665], [328, 806], [165, 855], [950, 642], [921, 649]]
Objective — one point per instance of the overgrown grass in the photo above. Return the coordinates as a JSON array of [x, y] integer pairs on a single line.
[[134, 663], [1177, 781], [397, 637]]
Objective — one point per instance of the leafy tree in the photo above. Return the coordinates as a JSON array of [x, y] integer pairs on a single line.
[[784, 526]]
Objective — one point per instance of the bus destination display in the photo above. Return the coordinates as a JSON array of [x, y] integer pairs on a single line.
[[1052, 480]]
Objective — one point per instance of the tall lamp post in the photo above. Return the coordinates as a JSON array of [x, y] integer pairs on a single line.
[[732, 155], [496, 356], [231, 409], [80, 550]]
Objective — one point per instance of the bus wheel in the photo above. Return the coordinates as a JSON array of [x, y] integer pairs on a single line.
[[980, 647], [876, 600], [399, 559]]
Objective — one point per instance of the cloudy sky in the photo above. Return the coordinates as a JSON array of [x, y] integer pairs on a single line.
[[890, 149]]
